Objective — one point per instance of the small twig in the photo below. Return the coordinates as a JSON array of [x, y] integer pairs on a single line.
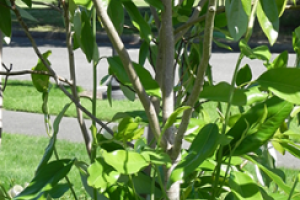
[[6, 77]]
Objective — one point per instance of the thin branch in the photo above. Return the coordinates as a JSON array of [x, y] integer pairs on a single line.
[[155, 16], [124, 56], [207, 45], [194, 16]]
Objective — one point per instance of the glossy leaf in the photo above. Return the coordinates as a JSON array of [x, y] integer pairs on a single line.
[[244, 75], [222, 45], [261, 52], [237, 18], [116, 68], [257, 126], [203, 146], [82, 167], [125, 162], [138, 21], [143, 53], [291, 147], [267, 15], [28, 3], [155, 3], [173, 117], [26, 14], [283, 82], [241, 97], [157, 157], [122, 192], [101, 175], [87, 39], [243, 186], [50, 148], [128, 130], [129, 94], [271, 174], [51, 173], [280, 61], [116, 13], [41, 82], [281, 6]]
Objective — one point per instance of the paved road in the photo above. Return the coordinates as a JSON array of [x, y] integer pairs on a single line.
[[22, 56]]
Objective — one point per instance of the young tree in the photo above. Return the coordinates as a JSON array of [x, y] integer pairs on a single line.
[[256, 111]]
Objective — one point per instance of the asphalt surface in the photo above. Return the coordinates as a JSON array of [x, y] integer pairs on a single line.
[[21, 55]]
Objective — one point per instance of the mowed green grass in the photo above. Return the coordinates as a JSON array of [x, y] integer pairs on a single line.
[[22, 96], [20, 156]]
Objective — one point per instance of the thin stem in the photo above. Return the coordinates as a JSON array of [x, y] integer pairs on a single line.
[[133, 188], [161, 183]]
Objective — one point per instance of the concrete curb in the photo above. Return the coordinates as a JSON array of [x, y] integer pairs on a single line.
[[135, 40]]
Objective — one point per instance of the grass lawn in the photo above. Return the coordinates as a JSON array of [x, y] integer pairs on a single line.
[[22, 96], [20, 155]]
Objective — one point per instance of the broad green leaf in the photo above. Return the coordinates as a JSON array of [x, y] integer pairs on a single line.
[[85, 3], [203, 146], [128, 130], [28, 3], [290, 147], [51, 173], [237, 18], [116, 13], [101, 175], [281, 6], [271, 174], [283, 82], [5, 16], [267, 15], [82, 167], [244, 75], [120, 192], [129, 94], [138, 21], [257, 126], [280, 61], [49, 150], [143, 53], [142, 184], [243, 186], [241, 97], [116, 68], [26, 14], [87, 39], [155, 3], [157, 157], [41, 82], [261, 52], [220, 20], [173, 117], [125, 162]]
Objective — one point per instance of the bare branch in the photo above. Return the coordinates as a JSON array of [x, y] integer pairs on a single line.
[[124, 56], [198, 86], [155, 16]]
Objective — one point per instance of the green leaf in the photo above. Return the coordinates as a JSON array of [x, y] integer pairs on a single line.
[[267, 15], [222, 45], [261, 52], [241, 97], [243, 186], [203, 146], [5, 16], [26, 14], [281, 6], [116, 68], [125, 162], [28, 3], [116, 13], [173, 117], [283, 82], [128, 130], [87, 39], [280, 61], [41, 82], [290, 147], [142, 184], [155, 3], [255, 128], [237, 18], [101, 175], [143, 53], [130, 95], [85, 3], [51, 174], [50, 148], [157, 157], [82, 167], [138, 21], [220, 20], [271, 174], [109, 98], [244, 75]]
